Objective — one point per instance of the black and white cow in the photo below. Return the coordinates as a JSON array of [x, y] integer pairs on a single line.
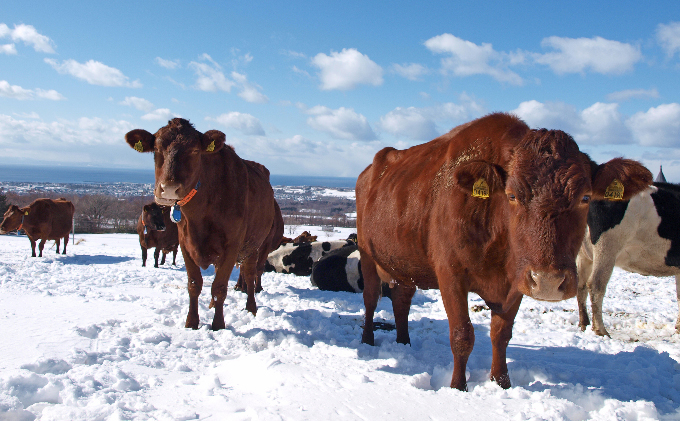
[[298, 258], [641, 235]]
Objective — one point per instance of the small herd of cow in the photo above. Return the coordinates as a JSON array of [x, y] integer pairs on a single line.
[[492, 207]]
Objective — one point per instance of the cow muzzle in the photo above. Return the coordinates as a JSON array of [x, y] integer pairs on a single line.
[[550, 286], [166, 194]]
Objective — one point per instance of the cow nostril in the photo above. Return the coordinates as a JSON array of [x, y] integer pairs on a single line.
[[563, 285]]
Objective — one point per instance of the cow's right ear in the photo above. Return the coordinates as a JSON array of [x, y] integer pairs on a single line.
[[146, 208], [140, 140], [480, 179], [213, 141], [620, 179]]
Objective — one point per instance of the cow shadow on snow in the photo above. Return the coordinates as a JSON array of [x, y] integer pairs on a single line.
[[97, 259]]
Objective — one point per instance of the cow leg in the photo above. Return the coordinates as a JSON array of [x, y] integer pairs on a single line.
[[677, 293], [165, 253], [65, 243], [174, 256], [597, 287], [41, 246], [371, 296], [461, 332], [156, 252], [584, 268], [194, 286], [143, 256], [501, 333], [241, 283], [249, 273], [401, 305], [58, 243], [32, 246]]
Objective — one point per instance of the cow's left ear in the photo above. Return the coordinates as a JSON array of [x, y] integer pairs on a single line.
[[480, 179], [140, 140], [620, 179], [212, 141]]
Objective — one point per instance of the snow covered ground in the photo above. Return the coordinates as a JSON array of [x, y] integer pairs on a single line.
[[95, 336]]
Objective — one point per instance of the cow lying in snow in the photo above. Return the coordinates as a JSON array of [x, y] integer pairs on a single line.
[[155, 229], [340, 270], [298, 258], [43, 219], [641, 235]]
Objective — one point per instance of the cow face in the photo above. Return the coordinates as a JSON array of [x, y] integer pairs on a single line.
[[178, 150], [544, 193], [152, 215], [12, 219]]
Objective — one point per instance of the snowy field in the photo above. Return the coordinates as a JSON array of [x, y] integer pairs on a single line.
[[95, 336]]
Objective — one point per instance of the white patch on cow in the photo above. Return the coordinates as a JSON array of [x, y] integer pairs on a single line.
[[352, 271], [276, 257]]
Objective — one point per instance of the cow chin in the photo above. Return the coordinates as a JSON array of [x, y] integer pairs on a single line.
[[164, 202]]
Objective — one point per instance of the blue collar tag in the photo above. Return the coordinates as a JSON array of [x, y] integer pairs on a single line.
[[144, 230], [175, 214]]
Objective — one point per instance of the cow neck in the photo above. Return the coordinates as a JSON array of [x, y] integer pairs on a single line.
[[22, 221], [190, 195]]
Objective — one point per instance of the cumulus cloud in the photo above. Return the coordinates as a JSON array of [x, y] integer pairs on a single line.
[[139, 103], [162, 114], [94, 73], [168, 64], [17, 92], [412, 71], [343, 123], [249, 91], [29, 36], [245, 123], [211, 78], [465, 58], [346, 69], [668, 37], [8, 49], [627, 94], [84, 131], [576, 55], [658, 126]]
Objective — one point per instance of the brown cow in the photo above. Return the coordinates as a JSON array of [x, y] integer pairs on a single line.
[[491, 207], [305, 237], [226, 205], [155, 229], [43, 219]]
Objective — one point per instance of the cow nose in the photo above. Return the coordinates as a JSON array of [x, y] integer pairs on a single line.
[[549, 286], [168, 191]]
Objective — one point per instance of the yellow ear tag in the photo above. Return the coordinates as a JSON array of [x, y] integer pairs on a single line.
[[480, 189], [614, 191], [139, 147], [26, 213], [210, 147]]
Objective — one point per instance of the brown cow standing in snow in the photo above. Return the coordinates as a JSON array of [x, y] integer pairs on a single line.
[[155, 229], [43, 219], [491, 207], [225, 206]]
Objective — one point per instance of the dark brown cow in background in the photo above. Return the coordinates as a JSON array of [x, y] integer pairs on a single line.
[[43, 219], [155, 229], [491, 207], [226, 205]]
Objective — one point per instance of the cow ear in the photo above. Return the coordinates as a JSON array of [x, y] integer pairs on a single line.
[[212, 141], [140, 140], [620, 179], [480, 179], [147, 208]]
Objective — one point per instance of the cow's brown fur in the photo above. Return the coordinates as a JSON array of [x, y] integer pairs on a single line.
[[305, 237], [156, 229], [421, 227], [43, 219], [229, 219]]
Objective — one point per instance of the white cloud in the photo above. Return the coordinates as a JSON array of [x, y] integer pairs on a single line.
[[162, 114], [554, 115], [84, 131], [139, 103], [409, 122], [210, 78], [466, 58], [293, 54], [249, 91], [17, 92], [168, 64], [8, 49], [346, 69], [627, 94], [343, 123], [576, 55], [94, 73], [411, 71], [669, 37], [245, 123], [29, 36], [658, 126]]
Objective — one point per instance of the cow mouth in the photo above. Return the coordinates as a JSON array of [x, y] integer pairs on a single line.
[[164, 202]]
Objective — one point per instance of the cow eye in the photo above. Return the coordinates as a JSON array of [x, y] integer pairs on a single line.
[[585, 199], [511, 197]]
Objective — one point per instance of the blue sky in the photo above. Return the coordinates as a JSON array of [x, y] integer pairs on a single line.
[[317, 88]]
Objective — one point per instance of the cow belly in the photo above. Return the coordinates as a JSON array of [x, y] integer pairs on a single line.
[[647, 258]]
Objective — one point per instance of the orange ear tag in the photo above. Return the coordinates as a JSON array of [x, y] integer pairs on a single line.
[[210, 147], [480, 189], [139, 147], [614, 191]]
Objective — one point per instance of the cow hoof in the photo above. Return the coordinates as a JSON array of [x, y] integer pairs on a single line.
[[503, 381], [258, 290], [217, 325], [191, 323], [252, 309], [601, 332], [368, 338]]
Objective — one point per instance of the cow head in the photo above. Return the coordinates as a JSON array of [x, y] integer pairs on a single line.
[[12, 219], [152, 215], [178, 149], [544, 191]]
